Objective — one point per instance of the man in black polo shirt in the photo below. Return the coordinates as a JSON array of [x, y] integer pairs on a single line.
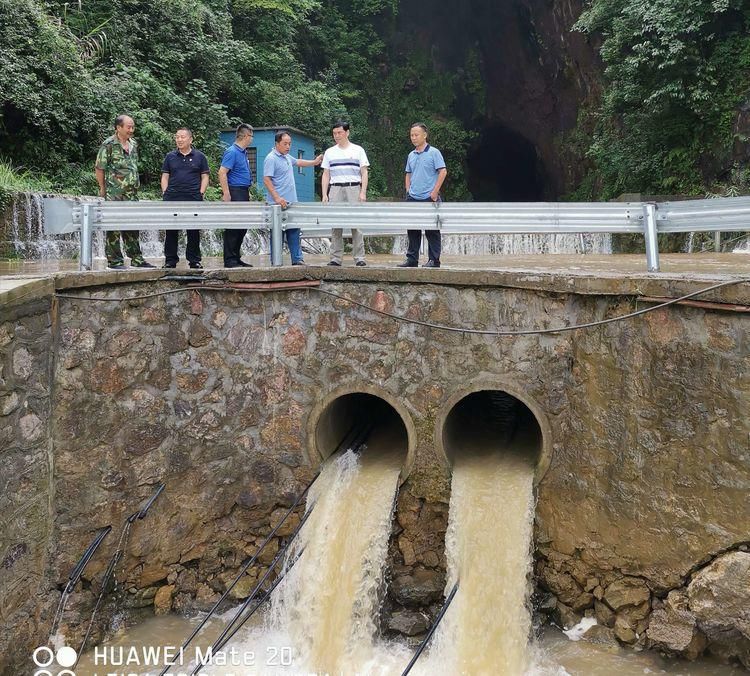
[[184, 178]]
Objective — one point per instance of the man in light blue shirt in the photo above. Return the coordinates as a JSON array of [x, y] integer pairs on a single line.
[[425, 174], [278, 178]]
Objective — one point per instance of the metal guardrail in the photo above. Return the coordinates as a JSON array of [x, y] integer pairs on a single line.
[[455, 218], [712, 215], [64, 215]]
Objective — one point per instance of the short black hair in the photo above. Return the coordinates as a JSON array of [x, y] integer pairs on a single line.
[[187, 129], [243, 129], [421, 125], [280, 135], [120, 120], [342, 124]]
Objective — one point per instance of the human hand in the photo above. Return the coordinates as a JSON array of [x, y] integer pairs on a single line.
[[282, 202], [362, 196], [318, 160], [324, 198], [435, 195], [226, 197]]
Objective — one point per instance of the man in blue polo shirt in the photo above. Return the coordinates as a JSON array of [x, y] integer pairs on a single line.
[[425, 174], [184, 178], [235, 179], [278, 177]]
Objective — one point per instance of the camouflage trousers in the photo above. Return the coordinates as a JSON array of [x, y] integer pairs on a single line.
[[131, 238]]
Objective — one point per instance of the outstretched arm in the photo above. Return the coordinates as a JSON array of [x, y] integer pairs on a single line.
[[310, 163]]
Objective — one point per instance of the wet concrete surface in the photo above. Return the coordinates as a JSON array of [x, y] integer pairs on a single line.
[[702, 263], [616, 274]]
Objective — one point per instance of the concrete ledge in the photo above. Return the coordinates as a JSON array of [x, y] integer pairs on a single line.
[[22, 290], [580, 282]]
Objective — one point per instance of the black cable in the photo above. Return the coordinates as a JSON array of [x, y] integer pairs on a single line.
[[529, 332], [281, 553], [434, 626], [263, 599], [418, 322], [244, 569]]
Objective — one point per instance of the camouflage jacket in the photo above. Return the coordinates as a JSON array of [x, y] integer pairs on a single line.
[[120, 168]]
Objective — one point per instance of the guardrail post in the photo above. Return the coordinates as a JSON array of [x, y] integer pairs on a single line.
[[86, 237], [651, 233], [277, 240], [717, 242]]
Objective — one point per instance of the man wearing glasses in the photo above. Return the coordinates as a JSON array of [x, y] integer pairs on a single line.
[[235, 179]]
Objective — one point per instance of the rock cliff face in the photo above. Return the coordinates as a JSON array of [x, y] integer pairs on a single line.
[[534, 74]]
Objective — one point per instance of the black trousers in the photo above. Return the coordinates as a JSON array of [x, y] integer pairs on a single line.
[[434, 244], [193, 248], [233, 238]]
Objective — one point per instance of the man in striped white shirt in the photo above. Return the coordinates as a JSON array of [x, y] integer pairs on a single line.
[[345, 167]]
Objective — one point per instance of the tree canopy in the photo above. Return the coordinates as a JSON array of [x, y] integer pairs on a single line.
[[676, 74], [675, 77]]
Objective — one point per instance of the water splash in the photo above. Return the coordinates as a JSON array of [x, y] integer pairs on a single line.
[[516, 245], [329, 600], [25, 236], [488, 548]]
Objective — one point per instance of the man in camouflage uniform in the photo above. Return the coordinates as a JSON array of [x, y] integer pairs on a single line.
[[117, 176]]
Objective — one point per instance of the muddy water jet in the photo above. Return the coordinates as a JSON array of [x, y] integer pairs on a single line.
[[493, 441], [330, 599]]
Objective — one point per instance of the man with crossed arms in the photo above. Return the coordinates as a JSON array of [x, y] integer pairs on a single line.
[[345, 172]]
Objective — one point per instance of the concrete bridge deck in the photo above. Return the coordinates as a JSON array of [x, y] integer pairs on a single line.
[[580, 274]]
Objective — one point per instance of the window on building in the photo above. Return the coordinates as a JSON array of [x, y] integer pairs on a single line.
[[300, 156], [252, 160]]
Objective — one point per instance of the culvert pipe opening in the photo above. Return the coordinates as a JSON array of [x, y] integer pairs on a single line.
[[351, 415], [492, 421]]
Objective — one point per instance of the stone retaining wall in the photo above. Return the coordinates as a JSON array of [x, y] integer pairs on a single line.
[[210, 392], [25, 486]]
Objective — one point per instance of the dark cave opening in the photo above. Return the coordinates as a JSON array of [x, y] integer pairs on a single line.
[[503, 166]]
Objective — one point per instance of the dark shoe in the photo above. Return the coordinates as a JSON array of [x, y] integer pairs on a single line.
[[407, 264], [195, 266], [360, 264], [170, 265], [242, 264], [117, 266], [335, 264], [142, 264], [298, 262], [431, 264]]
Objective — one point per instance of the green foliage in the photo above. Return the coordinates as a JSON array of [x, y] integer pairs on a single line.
[[290, 9], [15, 180], [675, 73], [409, 93], [48, 102], [68, 68]]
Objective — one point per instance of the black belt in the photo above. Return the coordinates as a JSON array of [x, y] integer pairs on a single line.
[[343, 185]]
